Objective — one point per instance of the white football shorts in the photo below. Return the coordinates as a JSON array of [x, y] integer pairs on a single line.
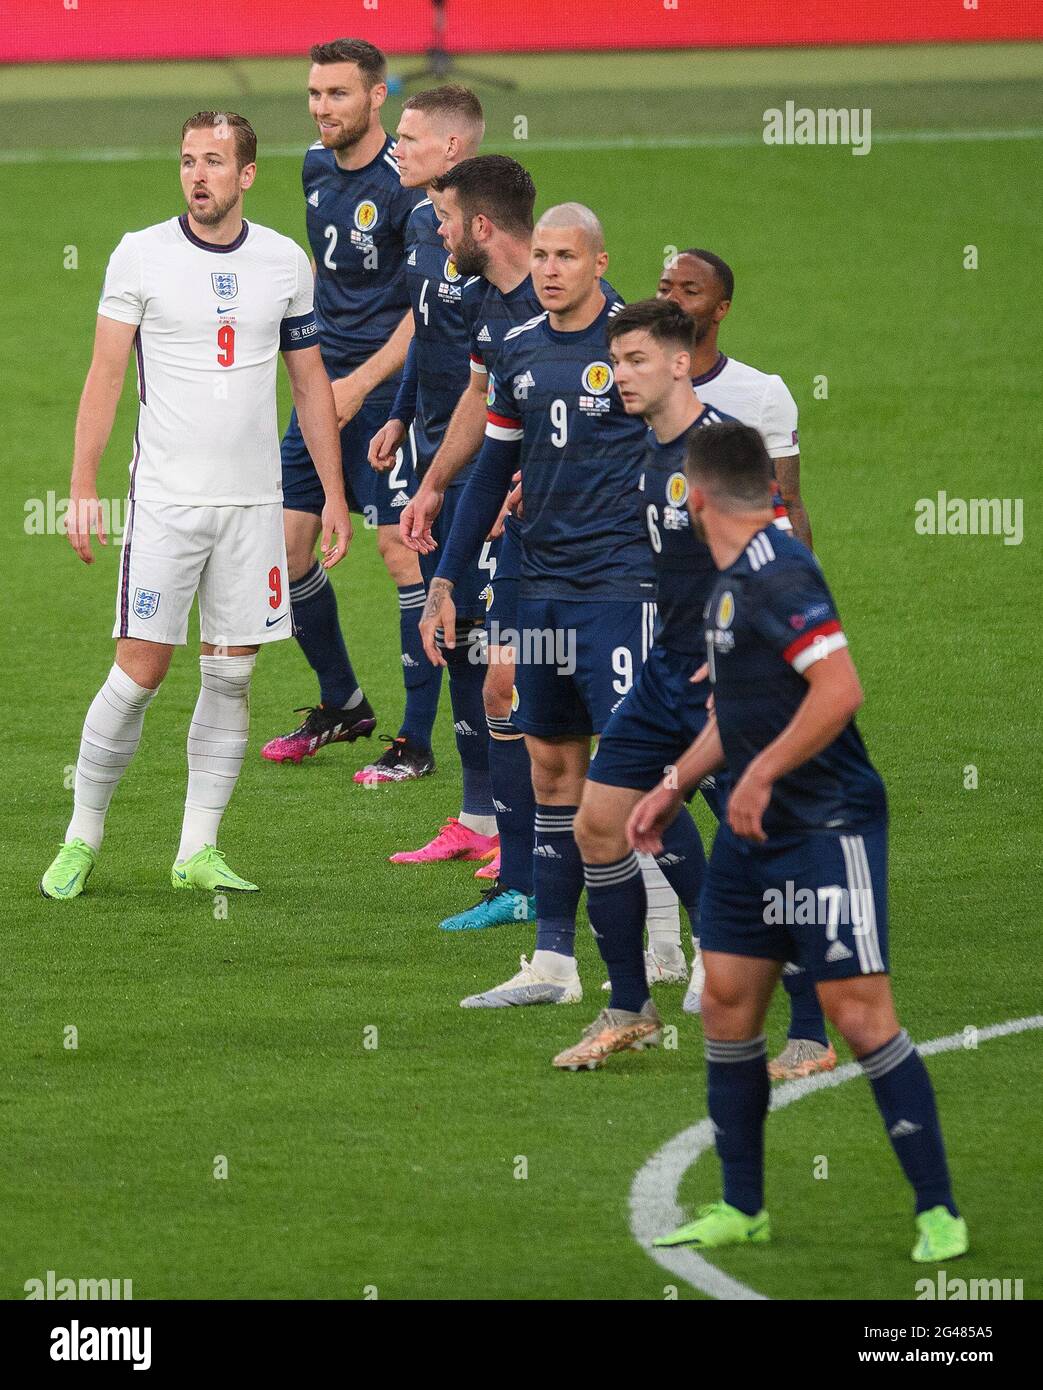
[[233, 557]]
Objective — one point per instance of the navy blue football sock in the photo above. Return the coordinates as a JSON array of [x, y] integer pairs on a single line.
[[466, 678], [511, 775], [478, 793], [805, 1012], [737, 1089], [557, 879], [317, 628], [905, 1098], [684, 864], [616, 906], [422, 680]]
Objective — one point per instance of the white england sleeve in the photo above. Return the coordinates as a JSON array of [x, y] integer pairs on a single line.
[[299, 328], [121, 296], [779, 420], [302, 300]]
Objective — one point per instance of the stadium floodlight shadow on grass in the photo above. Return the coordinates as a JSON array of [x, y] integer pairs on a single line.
[[440, 66]]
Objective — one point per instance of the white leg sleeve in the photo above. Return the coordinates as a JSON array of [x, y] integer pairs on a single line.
[[216, 747], [111, 734]]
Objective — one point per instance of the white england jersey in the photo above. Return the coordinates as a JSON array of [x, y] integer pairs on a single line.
[[754, 398], [211, 322]]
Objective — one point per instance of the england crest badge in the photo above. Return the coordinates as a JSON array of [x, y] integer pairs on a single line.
[[146, 601], [225, 284]]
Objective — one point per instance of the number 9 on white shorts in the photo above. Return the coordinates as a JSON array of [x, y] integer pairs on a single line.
[[235, 559]]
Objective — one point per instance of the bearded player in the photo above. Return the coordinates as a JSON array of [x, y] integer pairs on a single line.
[[207, 301], [356, 214]]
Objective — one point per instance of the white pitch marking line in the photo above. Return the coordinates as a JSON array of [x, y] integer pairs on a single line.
[[653, 1194], [129, 155]]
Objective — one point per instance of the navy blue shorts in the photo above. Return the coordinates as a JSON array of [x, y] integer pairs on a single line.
[[657, 722], [469, 590], [575, 662], [500, 595], [380, 497], [817, 899]]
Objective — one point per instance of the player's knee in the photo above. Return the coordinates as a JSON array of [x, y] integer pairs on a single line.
[[598, 837], [301, 531], [588, 832], [300, 557], [549, 782], [498, 690], [716, 1016], [725, 995], [728, 1020], [864, 1024], [402, 564], [146, 663]]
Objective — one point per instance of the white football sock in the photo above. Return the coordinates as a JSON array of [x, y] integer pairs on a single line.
[[111, 733], [554, 964], [216, 747], [663, 917], [481, 825]]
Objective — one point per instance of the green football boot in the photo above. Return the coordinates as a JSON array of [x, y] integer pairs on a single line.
[[207, 870], [69, 871], [940, 1236], [719, 1224]]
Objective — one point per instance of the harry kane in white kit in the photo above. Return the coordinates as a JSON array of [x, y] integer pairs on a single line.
[[207, 300]]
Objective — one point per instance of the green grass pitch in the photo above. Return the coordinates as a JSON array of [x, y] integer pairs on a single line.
[[352, 1166]]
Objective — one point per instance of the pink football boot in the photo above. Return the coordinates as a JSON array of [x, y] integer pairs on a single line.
[[491, 870], [453, 841]]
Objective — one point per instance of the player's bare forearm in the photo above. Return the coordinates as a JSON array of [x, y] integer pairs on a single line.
[[787, 475], [463, 437], [99, 400], [701, 760], [317, 415], [94, 421], [833, 698]]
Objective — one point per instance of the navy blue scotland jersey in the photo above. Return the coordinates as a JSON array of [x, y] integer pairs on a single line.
[[769, 616], [438, 371], [357, 231], [489, 315], [684, 567], [580, 456]]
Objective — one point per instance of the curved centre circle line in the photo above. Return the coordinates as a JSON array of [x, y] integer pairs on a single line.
[[654, 1208]]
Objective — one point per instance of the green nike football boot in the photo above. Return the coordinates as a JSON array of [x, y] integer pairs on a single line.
[[940, 1236], [69, 871], [207, 870], [719, 1224]]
